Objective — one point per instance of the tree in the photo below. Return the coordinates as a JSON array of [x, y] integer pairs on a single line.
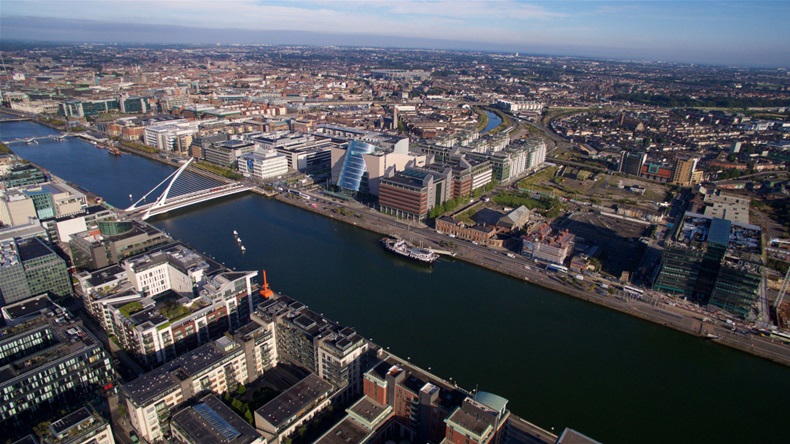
[[236, 404], [241, 390], [248, 417]]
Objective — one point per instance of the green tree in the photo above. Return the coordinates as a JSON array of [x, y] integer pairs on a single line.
[[241, 390]]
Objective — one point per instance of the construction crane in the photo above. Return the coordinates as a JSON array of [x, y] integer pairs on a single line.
[[266, 292], [782, 292]]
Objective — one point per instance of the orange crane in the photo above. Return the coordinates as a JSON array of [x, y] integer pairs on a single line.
[[266, 292]]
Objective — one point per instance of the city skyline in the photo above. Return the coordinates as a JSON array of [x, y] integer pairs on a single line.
[[726, 33]]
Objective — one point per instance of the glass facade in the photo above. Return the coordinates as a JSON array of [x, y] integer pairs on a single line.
[[354, 165]]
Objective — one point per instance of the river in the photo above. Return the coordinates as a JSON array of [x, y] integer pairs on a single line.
[[493, 121], [560, 361]]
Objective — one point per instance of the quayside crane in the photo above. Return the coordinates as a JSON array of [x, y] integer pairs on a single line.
[[266, 292]]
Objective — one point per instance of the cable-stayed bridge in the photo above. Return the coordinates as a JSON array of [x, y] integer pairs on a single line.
[[182, 193]]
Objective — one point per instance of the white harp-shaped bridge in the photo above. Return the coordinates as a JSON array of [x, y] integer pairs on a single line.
[[192, 195]]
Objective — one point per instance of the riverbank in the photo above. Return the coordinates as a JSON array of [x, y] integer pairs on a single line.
[[653, 311]]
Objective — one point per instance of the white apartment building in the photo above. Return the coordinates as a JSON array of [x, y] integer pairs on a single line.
[[171, 136]]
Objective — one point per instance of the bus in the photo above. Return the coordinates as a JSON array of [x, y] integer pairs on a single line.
[[633, 291], [558, 268], [298, 193]]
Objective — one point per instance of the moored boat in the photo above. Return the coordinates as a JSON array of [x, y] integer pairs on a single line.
[[403, 248]]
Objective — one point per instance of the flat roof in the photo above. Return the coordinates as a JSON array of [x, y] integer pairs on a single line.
[[467, 421], [210, 421], [719, 231], [570, 436], [33, 248], [368, 410], [346, 431], [27, 307], [68, 337], [295, 400], [104, 275], [70, 420], [150, 385]]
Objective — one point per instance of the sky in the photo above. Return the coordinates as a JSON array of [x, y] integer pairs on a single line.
[[752, 33]]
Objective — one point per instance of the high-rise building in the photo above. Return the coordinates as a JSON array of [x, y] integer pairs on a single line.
[[16, 208], [115, 241], [685, 172], [30, 267], [359, 167], [425, 409], [45, 271], [714, 261], [48, 361], [333, 352], [22, 175], [631, 163]]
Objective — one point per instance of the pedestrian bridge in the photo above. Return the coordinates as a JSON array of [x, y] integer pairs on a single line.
[[181, 194]]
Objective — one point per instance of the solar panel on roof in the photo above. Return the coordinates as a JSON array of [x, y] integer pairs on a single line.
[[216, 421]]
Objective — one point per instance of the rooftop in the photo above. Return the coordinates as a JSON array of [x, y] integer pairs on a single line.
[[71, 420], [467, 421], [369, 411], [33, 248], [150, 386], [737, 236], [210, 421], [296, 400], [570, 436], [346, 431], [27, 307], [61, 335]]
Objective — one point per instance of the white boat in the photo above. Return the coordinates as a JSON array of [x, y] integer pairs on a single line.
[[403, 248]]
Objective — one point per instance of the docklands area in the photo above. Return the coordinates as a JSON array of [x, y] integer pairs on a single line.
[[296, 244]]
